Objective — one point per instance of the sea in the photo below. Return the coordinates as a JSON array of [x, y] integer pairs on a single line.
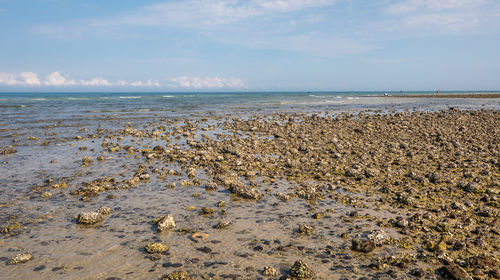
[[63, 106]]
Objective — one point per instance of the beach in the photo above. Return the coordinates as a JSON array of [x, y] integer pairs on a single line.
[[242, 186]]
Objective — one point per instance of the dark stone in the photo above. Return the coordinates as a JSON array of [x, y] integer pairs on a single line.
[[454, 272], [364, 246], [205, 250], [38, 268]]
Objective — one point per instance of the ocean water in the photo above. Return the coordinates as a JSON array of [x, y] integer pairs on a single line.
[[26, 112]]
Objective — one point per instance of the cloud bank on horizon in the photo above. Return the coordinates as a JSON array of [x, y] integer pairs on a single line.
[[55, 79], [255, 45]]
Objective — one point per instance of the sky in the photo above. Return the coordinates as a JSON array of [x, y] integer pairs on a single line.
[[259, 45]]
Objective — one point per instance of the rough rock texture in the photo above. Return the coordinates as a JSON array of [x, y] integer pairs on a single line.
[[89, 218], [244, 191], [21, 258], [155, 248], [104, 210], [301, 270], [270, 271], [364, 246], [165, 223], [305, 229], [379, 237]]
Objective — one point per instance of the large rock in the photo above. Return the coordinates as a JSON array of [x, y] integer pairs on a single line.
[[364, 246], [244, 191], [165, 223], [21, 258], [89, 218], [155, 248], [301, 270]]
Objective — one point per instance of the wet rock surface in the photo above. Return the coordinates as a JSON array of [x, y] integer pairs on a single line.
[[21, 258], [301, 270], [165, 223], [89, 218]]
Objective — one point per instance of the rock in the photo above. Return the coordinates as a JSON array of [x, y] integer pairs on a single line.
[[301, 270], [437, 246], [364, 246], [244, 191], [221, 204], [283, 197], [89, 218], [211, 186], [223, 225], [177, 275], [305, 229], [165, 223], [454, 272], [401, 222], [86, 161], [377, 236], [21, 258], [316, 216], [270, 271], [207, 211], [155, 248], [483, 262], [171, 185], [104, 210], [46, 195]]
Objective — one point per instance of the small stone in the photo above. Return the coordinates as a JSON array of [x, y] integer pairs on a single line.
[[46, 195], [165, 223], [104, 210], [221, 204], [223, 224], [89, 218], [316, 216], [86, 161], [301, 270], [305, 229], [155, 248], [211, 186], [364, 246], [437, 246], [207, 211], [379, 237], [270, 271], [171, 186], [21, 258]]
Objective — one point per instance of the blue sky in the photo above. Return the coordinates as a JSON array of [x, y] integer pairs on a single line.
[[230, 45]]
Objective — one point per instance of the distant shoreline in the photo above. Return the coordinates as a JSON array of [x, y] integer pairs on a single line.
[[480, 95]]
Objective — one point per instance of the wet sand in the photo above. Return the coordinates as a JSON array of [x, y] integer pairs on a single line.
[[370, 194]]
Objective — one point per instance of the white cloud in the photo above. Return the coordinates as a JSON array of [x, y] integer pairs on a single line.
[[196, 13], [207, 82], [56, 79], [432, 5], [441, 15]]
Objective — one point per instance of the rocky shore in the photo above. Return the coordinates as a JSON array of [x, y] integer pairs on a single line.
[[282, 196]]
